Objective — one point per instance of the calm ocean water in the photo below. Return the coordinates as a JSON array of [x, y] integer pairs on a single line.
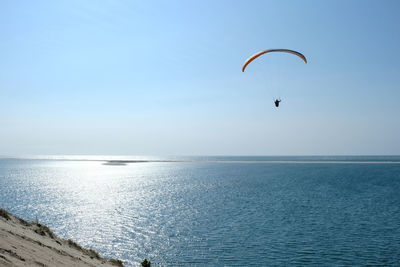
[[217, 211]]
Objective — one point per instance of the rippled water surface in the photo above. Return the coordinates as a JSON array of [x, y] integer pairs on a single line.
[[217, 211]]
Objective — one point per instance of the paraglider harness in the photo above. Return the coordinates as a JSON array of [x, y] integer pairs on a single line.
[[277, 102]]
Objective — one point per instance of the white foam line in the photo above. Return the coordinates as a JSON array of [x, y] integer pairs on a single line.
[[113, 161], [303, 162]]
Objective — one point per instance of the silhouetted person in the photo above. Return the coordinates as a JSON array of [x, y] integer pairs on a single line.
[[277, 102]]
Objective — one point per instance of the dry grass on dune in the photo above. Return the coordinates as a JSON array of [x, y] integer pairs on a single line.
[[25, 243]]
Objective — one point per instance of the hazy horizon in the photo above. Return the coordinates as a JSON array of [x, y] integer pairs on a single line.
[[371, 158]]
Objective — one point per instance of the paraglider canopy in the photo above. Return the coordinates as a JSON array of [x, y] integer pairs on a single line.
[[250, 59]]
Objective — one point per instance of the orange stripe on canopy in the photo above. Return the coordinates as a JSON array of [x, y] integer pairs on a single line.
[[250, 59]]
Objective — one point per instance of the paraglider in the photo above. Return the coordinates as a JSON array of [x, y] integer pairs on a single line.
[[253, 57]]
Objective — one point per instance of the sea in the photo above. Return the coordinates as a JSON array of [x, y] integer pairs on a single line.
[[215, 211]]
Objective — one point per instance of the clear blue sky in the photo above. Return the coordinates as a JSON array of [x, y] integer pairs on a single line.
[[164, 77]]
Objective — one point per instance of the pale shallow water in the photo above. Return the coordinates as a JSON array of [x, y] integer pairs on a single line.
[[233, 211]]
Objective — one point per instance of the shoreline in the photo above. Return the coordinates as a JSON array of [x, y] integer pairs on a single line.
[[110, 161], [33, 244]]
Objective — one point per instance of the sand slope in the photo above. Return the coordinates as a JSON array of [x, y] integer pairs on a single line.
[[30, 244]]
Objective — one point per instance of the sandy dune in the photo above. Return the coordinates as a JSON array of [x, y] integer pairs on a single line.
[[30, 244]]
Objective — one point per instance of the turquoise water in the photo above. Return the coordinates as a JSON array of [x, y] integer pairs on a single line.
[[266, 211]]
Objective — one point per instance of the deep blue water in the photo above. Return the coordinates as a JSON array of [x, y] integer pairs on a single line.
[[266, 211]]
